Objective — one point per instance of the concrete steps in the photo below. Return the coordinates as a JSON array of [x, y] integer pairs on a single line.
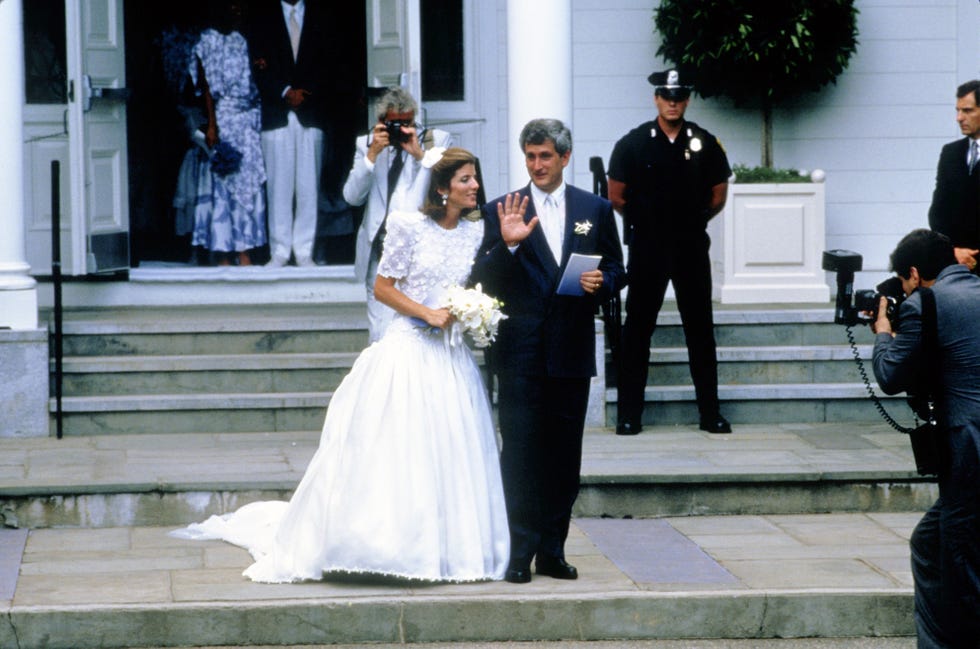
[[778, 364], [223, 369]]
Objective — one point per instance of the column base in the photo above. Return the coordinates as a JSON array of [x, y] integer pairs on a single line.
[[25, 387], [18, 307]]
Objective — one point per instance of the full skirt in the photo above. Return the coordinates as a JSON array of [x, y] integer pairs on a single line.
[[406, 480]]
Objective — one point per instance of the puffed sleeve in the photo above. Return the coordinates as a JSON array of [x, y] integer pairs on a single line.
[[400, 239]]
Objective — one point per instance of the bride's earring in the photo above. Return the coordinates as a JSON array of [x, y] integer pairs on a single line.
[[445, 197]]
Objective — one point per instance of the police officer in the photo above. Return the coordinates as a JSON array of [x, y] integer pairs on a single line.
[[668, 178]]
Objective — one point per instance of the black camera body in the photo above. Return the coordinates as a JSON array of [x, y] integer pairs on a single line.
[[850, 304], [891, 290], [395, 134]]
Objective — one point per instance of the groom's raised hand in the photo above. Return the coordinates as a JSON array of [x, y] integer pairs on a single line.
[[513, 229]]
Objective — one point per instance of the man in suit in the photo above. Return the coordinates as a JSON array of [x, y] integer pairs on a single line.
[[289, 44], [946, 542], [386, 161], [544, 354], [955, 209]]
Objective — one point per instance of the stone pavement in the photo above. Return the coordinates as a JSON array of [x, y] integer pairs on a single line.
[[758, 575]]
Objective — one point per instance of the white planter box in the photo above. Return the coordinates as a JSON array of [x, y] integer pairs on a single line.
[[767, 245]]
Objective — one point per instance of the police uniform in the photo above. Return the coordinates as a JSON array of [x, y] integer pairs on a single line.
[[667, 196]]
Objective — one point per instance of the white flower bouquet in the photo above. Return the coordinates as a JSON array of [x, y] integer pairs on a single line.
[[476, 312]]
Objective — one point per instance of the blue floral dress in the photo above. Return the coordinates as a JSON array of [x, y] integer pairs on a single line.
[[237, 214]]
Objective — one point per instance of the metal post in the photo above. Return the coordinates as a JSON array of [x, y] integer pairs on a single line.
[[56, 280]]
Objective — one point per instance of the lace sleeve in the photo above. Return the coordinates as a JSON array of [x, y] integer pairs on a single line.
[[402, 233]]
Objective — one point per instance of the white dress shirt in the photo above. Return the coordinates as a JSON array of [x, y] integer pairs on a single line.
[[551, 216]]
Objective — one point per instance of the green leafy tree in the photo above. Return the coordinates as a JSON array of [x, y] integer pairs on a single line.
[[758, 52]]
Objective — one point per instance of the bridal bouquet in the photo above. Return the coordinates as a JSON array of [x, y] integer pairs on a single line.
[[477, 313]]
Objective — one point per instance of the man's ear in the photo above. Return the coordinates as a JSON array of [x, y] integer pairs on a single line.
[[914, 276]]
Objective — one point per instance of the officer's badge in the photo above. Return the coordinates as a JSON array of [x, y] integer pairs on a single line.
[[695, 144]]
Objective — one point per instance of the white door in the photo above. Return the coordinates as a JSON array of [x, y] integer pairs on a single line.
[[97, 176], [394, 58]]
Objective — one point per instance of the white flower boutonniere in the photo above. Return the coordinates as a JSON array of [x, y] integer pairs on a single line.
[[432, 156], [583, 227]]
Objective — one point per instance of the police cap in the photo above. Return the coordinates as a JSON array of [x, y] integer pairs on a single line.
[[671, 84]]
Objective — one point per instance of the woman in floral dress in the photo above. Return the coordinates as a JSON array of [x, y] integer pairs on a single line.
[[221, 72]]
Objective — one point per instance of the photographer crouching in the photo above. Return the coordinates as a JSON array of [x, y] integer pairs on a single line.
[[935, 350]]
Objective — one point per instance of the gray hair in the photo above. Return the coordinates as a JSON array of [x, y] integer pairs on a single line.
[[537, 131], [398, 100]]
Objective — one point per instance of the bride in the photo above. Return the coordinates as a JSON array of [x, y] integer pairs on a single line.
[[406, 480]]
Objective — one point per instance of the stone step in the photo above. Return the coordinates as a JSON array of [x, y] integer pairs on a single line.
[[298, 411], [768, 403], [205, 373], [712, 577], [313, 371], [763, 365], [157, 479], [182, 413]]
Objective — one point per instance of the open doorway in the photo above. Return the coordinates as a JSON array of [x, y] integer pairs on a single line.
[[158, 137]]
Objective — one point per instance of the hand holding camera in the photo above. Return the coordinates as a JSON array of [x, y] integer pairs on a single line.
[[395, 133]]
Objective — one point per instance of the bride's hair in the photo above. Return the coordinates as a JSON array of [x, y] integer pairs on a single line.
[[442, 174]]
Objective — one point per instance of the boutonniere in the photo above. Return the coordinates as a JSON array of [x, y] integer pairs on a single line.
[[583, 227]]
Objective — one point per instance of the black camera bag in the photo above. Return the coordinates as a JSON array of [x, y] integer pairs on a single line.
[[927, 439]]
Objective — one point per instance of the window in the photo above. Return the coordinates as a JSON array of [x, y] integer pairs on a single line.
[[442, 50], [45, 63]]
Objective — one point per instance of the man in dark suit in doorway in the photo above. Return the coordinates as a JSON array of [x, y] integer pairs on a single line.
[[289, 42], [544, 355], [955, 209]]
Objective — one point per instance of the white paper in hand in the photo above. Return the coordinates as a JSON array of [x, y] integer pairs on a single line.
[[570, 283]]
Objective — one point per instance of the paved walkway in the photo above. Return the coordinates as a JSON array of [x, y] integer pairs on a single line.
[[748, 576]]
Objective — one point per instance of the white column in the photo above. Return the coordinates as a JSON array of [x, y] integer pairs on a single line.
[[539, 72], [18, 290]]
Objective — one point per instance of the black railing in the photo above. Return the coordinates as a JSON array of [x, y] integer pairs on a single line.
[[56, 281]]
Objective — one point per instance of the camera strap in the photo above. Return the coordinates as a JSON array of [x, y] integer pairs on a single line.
[[927, 446]]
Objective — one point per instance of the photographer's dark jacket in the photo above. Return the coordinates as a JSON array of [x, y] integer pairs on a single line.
[[899, 363], [668, 184], [955, 209], [946, 542]]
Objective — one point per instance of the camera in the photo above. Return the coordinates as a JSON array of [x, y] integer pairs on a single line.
[[891, 290], [395, 134], [850, 304]]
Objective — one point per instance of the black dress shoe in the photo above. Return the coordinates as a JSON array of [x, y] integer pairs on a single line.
[[628, 428], [555, 567], [518, 575], [716, 424]]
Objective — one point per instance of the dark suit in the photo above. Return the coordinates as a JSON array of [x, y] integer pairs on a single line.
[[955, 209], [946, 542], [269, 44], [543, 357], [293, 146]]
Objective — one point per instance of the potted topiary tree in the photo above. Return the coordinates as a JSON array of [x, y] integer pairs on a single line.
[[759, 54]]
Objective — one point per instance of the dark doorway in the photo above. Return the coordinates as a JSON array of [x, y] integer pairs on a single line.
[[158, 135]]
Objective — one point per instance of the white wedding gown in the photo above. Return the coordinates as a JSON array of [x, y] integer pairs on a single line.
[[406, 480]]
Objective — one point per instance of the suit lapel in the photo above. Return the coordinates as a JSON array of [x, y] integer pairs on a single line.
[[537, 242], [381, 165], [568, 239]]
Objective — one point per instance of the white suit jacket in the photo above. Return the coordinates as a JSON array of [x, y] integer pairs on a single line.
[[369, 187]]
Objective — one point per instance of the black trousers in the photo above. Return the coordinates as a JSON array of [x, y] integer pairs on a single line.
[[683, 260], [541, 423], [945, 549]]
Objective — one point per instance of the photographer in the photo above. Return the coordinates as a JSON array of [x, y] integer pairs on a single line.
[[386, 162], [946, 543]]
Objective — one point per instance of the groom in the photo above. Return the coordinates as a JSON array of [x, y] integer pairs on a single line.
[[544, 355]]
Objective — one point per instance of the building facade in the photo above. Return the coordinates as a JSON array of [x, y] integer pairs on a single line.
[[876, 133]]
